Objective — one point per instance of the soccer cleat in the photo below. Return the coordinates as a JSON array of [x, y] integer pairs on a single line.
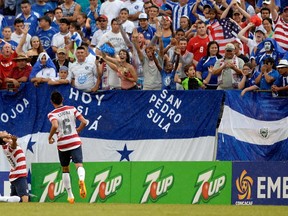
[[71, 200], [82, 188]]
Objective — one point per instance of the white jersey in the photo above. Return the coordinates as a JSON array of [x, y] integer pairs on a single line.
[[134, 7], [58, 40], [84, 74], [115, 39], [67, 135], [98, 35], [15, 37], [111, 9]]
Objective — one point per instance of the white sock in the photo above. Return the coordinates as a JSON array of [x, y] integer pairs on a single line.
[[81, 173], [67, 184], [10, 199]]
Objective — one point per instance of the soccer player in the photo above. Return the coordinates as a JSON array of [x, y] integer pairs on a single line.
[[18, 172], [63, 120]]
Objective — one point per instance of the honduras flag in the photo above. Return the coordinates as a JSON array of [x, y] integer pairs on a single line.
[[253, 128], [123, 125]]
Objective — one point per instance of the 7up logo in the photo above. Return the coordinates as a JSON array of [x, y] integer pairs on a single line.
[[156, 186], [105, 186], [54, 187], [208, 185]]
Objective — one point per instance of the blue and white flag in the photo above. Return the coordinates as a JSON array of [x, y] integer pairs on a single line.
[[123, 125], [253, 128]]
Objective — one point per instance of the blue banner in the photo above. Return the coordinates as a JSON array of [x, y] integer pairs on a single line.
[[253, 128], [260, 183]]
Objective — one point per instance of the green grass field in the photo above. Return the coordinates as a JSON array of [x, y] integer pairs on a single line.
[[84, 209]]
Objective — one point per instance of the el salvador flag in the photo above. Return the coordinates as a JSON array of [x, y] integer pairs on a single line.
[[253, 128]]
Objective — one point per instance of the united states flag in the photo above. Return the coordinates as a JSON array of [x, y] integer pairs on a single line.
[[223, 31]]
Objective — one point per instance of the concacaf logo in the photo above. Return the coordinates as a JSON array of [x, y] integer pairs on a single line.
[[244, 186]]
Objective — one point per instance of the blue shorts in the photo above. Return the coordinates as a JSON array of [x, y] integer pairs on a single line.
[[66, 156], [19, 187]]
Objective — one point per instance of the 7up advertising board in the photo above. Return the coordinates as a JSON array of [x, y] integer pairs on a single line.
[[105, 183], [181, 182]]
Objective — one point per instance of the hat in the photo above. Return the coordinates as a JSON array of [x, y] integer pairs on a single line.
[[236, 12], [229, 46], [142, 16], [21, 56], [46, 18], [61, 50], [282, 63], [64, 20], [207, 6], [167, 18], [63, 68], [261, 28], [266, 2], [49, 12], [102, 17]]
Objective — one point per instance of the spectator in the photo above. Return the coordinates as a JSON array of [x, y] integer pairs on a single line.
[[58, 15], [127, 25], [114, 37], [183, 7], [239, 50], [58, 39], [135, 7], [152, 77], [144, 28], [93, 12], [7, 32], [20, 73], [280, 86], [62, 59], [190, 82], [18, 34], [30, 17], [153, 16], [62, 77], [86, 30], [103, 28], [281, 25], [43, 70], [70, 10], [125, 71], [266, 3], [198, 44], [268, 26], [248, 77], [45, 34], [111, 9], [206, 64], [167, 31], [36, 49], [228, 69], [259, 36], [3, 23], [6, 59], [50, 13], [265, 78], [41, 7], [84, 74]]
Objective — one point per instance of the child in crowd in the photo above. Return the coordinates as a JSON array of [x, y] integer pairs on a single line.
[[248, 78], [191, 81], [62, 77]]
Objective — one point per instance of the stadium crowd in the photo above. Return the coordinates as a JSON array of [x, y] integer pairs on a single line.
[[149, 44]]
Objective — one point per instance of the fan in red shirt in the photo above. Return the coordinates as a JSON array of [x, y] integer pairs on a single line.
[[198, 44], [20, 73]]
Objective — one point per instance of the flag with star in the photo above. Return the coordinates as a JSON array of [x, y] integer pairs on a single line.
[[223, 31]]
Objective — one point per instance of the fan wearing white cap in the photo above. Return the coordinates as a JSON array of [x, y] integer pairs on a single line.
[[265, 3], [280, 86]]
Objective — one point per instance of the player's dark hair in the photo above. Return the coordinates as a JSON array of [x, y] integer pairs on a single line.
[[18, 20], [56, 97]]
